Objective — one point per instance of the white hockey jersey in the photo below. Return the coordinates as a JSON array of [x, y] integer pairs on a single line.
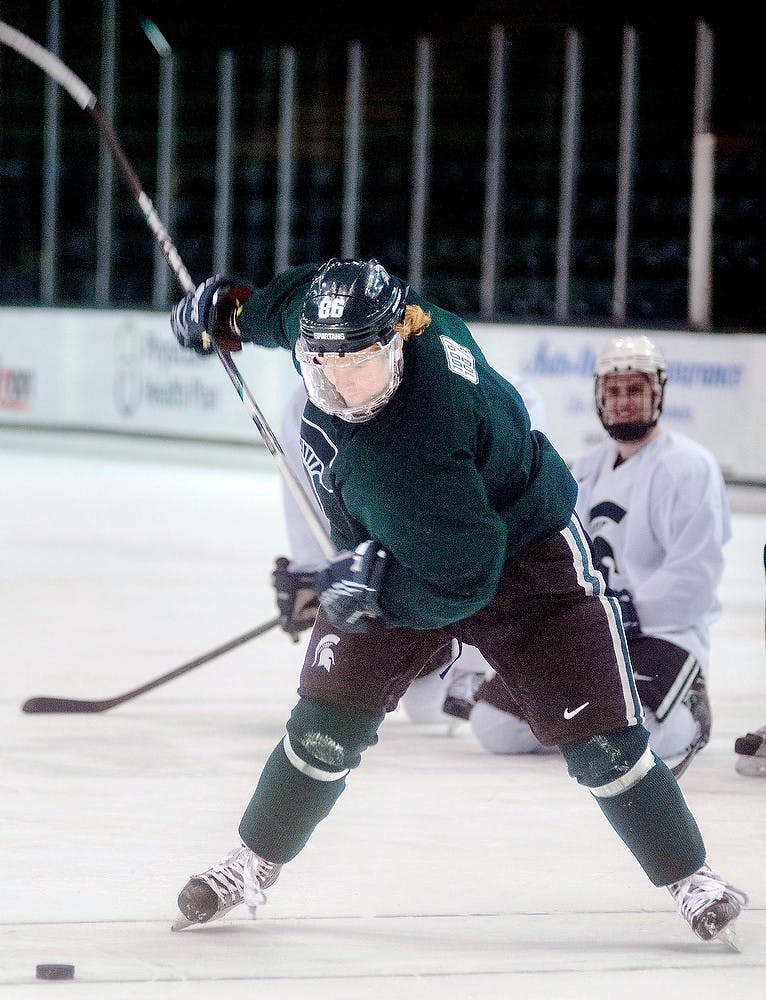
[[659, 522]]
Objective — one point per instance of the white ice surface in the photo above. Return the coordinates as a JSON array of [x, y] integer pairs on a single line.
[[443, 872]]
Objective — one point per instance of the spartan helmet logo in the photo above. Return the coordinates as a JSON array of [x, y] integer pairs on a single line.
[[324, 655]]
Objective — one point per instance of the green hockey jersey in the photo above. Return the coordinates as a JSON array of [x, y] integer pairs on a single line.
[[447, 477]]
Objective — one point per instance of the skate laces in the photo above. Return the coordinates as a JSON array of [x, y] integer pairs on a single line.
[[241, 877], [226, 877], [258, 875], [693, 895]]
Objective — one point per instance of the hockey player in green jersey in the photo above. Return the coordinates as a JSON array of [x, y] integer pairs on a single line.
[[452, 519]]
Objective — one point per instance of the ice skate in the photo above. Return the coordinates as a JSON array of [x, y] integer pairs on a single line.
[[697, 702], [751, 754], [709, 905], [240, 877], [461, 693]]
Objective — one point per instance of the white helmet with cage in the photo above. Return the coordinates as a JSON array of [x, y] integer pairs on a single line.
[[630, 355]]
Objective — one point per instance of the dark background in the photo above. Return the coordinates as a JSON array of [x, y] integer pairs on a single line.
[[220, 26], [658, 264]]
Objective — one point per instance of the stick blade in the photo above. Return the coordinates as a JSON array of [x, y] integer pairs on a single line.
[[47, 705]]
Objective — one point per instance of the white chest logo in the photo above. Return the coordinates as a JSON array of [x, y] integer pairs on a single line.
[[318, 454], [324, 655], [460, 360]]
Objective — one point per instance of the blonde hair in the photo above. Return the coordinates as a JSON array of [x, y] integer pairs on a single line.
[[413, 323]]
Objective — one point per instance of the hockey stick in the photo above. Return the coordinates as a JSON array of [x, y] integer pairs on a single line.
[[86, 99], [49, 704]]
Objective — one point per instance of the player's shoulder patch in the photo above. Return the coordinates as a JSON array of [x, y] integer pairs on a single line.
[[459, 359]]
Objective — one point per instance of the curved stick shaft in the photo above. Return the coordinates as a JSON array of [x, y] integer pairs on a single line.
[[48, 704], [269, 439], [85, 98]]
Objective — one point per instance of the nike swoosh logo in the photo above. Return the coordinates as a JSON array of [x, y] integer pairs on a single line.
[[570, 713]]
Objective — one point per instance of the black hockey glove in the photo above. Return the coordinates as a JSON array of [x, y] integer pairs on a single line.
[[297, 598], [349, 584], [210, 313], [630, 621]]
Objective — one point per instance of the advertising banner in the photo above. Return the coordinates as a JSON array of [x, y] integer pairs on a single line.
[[122, 371], [714, 390]]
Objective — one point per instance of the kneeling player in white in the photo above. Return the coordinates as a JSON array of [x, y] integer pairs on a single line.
[[654, 503]]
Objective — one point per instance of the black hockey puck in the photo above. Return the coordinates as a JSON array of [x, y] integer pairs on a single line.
[[54, 972]]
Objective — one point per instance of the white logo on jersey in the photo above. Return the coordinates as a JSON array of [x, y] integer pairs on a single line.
[[605, 518], [318, 454], [570, 713], [459, 359], [324, 655]]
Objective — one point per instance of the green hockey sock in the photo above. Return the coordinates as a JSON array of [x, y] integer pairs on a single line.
[[285, 808], [654, 822]]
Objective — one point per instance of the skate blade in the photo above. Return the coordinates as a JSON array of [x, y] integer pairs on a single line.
[[728, 936], [181, 923]]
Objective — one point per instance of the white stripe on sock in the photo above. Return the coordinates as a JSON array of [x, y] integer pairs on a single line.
[[309, 770], [640, 769]]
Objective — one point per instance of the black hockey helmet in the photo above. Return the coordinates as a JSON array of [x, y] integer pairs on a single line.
[[350, 305]]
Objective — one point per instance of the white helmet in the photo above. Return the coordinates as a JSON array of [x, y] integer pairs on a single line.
[[623, 356]]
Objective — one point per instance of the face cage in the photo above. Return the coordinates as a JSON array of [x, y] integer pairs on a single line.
[[634, 430], [324, 395]]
